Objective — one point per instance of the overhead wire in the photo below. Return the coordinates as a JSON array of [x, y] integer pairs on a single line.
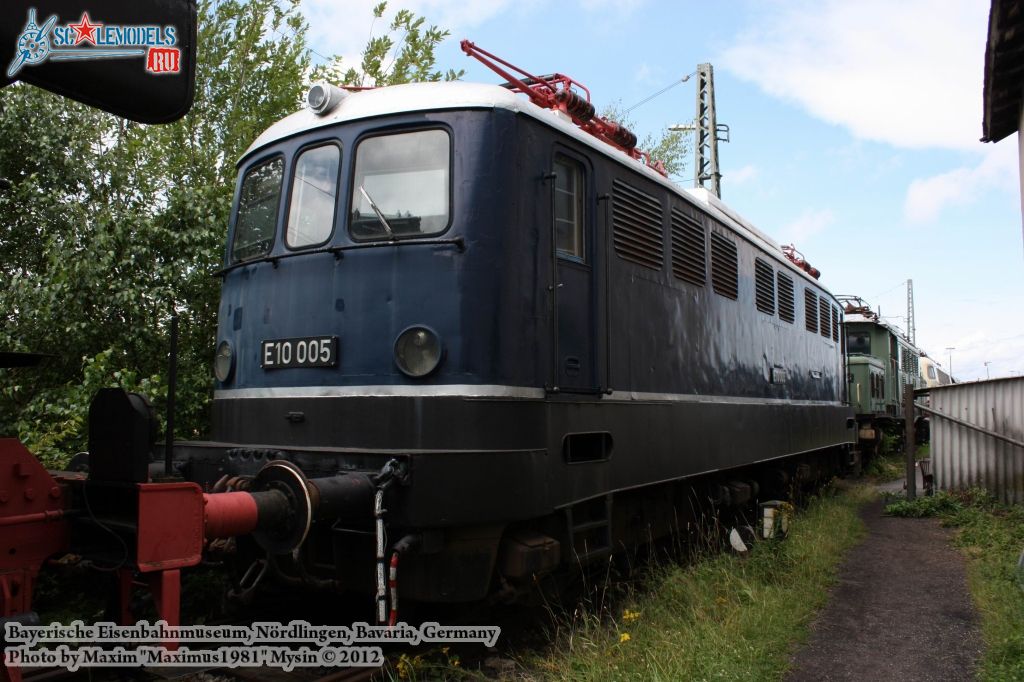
[[894, 288], [661, 92]]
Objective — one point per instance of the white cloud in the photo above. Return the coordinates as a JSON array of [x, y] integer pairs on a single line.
[[907, 73], [741, 175], [1005, 354], [927, 197], [809, 223], [643, 74]]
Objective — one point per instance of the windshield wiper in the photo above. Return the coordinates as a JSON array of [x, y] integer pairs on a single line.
[[376, 209]]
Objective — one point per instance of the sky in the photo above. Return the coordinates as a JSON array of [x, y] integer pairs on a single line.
[[854, 133]]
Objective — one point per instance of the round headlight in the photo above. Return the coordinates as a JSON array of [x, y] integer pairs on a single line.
[[323, 98], [223, 362], [417, 351]]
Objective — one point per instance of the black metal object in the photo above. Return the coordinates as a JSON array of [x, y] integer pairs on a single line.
[[122, 430], [172, 383], [122, 86], [910, 443], [287, 513], [9, 359], [288, 503], [344, 497]]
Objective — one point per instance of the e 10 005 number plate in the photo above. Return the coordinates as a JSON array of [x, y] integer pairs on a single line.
[[310, 351]]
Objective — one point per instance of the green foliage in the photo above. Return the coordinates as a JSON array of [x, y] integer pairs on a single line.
[[110, 225], [887, 467], [723, 617], [939, 504], [992, 536], [404, 54], [671, 147], [891, 445], [55, 417]]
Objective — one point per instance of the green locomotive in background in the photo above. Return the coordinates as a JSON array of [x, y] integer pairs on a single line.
[[881, 360]]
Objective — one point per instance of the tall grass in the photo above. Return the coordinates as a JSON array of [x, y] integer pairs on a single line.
[[724, 617]]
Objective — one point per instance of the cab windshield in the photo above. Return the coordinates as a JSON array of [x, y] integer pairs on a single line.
[[401, 186], [858, 342]]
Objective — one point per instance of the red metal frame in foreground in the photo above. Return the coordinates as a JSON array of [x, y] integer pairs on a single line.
[[171, 520]]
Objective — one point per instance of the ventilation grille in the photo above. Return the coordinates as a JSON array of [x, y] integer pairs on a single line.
[[764, 286], [835, 323], [636, 218], [724, 266], [688, 247], [787, 302], [826, 310], [810, 310]]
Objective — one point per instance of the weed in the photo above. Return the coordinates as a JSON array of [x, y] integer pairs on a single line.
[[939, 504], [720, 617], [885, 468]]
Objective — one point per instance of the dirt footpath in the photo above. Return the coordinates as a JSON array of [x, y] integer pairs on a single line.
[[901, 609]]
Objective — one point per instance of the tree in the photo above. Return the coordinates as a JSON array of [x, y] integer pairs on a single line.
[[671, 147], [388, 60], [110, 225]]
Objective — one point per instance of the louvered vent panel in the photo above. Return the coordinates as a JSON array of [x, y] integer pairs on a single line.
[[825, 311], [787, 301], [724, 266], [810, 310], [835, 323], [764, 286], [689, 245], [636, 218]]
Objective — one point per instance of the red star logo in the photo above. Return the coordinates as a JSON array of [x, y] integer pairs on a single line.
[[84, 30]]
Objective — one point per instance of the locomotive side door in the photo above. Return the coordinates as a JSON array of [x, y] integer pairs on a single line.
[[574, 333]]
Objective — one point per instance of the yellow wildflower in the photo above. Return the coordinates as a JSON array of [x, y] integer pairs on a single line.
[[624, 637]]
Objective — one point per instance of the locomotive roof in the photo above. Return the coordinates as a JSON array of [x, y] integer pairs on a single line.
[[411, 97], [855, 318]]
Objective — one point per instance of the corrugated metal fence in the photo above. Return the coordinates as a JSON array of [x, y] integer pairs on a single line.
[[965, 457]]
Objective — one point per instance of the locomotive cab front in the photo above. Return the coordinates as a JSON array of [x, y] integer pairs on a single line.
[[377, 302]]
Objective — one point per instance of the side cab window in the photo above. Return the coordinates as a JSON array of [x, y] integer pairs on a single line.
[[568, 214], [258, 201]]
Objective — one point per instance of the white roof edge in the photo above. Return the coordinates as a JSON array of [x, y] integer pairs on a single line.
[[413, 97]]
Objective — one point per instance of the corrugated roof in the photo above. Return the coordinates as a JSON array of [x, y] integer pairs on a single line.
[[1004, 70]]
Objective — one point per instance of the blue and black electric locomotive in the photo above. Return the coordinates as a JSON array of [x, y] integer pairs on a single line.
[[509, 344]]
